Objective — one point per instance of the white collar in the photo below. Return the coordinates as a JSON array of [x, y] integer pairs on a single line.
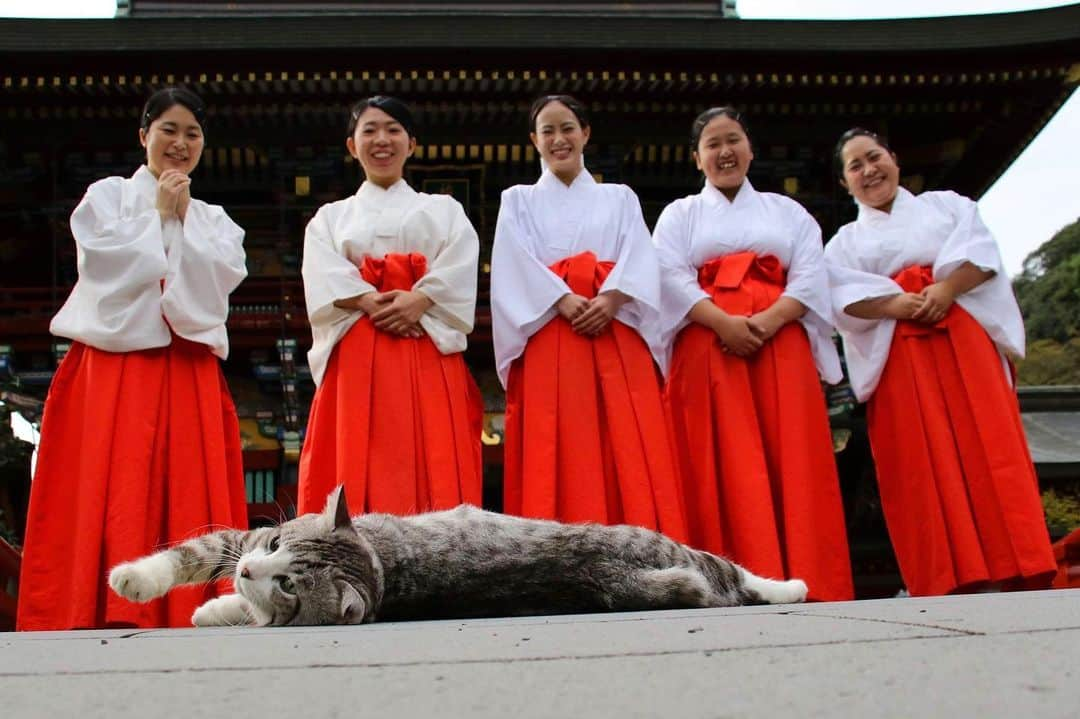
[[375, 194], [144, 180], [549, 180], [872, 214], [716, 198]]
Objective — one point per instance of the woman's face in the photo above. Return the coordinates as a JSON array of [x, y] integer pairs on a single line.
[[724, 155], [560, 139], [381, 145], [174, 141], [871, 174]]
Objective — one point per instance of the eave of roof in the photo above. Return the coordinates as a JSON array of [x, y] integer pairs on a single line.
[[1054, 27]]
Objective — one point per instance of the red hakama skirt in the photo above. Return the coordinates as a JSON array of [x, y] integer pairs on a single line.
[[958, 490], [394, 420], [139, 450], [587, 438], [753, 437]]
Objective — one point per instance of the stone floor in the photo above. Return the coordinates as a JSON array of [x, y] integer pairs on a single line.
[[1008, 655]]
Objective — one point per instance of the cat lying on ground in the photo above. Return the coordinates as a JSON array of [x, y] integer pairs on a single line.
[[329, 569]]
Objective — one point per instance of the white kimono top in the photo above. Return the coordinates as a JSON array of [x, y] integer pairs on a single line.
[[695, 229], [373, 223], [938, 229], [124, 251], [541, 224]]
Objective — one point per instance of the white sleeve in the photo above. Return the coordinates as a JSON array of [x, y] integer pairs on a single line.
[[849, 284], [807, 279], [866, 342], [808, 284], [328, 276], [116, 303], [450, 281], [206, 263], [970, 240], [679, 287], [992, 303], [523, 290], [636, 272]]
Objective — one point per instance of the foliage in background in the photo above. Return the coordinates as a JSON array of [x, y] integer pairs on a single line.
[[1048, 291], [1050, 362], [1062, 509]]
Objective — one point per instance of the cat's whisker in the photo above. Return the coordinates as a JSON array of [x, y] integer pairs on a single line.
[[206, 529], [283, 513]]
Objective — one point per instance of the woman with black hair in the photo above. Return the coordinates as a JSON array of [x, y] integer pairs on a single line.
[[746, 311], [140, 445], [575, 295], [390, 281], [929, 324]]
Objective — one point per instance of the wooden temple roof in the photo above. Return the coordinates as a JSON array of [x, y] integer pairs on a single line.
[[966, 93], [682, 32]]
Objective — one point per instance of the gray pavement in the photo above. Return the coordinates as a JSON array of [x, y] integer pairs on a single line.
[[1007, 655]]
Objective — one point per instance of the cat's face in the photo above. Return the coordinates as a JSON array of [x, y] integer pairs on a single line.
[[312, 570]]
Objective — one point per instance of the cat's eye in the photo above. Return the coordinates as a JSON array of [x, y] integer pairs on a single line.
[[285, 584], [274, 543]]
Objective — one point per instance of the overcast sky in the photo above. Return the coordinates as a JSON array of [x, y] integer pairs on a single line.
[[1035, 197]]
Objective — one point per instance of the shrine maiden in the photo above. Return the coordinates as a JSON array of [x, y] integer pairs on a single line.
[[140, 444], [575, 294], [746, 307], [390, 282], [928, 320]]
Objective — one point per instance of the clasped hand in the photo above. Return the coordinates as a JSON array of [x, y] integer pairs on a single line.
[[739, 335], [173, 195], [590, 317], [937, 299], [396, 311], [743, 336], [928, 306]]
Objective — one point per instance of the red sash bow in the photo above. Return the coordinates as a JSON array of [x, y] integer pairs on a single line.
[[725, 279], [396, 271], [583, 273]]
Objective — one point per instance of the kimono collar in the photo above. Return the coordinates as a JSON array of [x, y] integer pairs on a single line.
[[715, 198], [870, 214], [145, 182], [549, 181], [397, 193]]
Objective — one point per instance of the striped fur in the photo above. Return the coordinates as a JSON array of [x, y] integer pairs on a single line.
[[329, 569]]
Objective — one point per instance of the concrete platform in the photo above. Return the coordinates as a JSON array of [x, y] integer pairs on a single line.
[[988, 655]]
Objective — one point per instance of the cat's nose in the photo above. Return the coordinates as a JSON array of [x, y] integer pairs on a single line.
[[245, 573]]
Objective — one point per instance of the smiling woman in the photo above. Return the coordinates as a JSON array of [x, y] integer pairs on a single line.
[[140, 443], [929, 324], [171, 131], [390, 281], [746, 313], [575, 293]]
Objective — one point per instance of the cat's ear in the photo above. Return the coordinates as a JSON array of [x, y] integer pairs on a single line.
[[337, 505], [352, 606]]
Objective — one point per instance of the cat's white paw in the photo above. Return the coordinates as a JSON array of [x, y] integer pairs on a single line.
[[228, 611], [795, 590], [144, 579], [776, 591]]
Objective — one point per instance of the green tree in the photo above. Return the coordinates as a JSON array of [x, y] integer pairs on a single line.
[[1050, 362], [1048, 289]]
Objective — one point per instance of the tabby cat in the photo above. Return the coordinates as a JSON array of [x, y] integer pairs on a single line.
[[329, 569]]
